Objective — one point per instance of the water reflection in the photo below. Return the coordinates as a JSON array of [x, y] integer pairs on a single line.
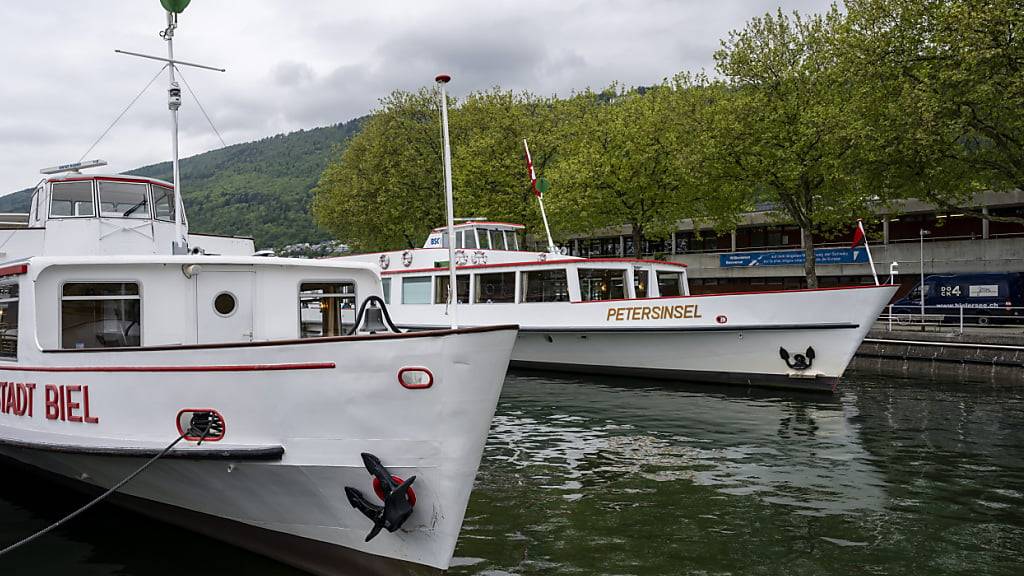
[[599, 476]]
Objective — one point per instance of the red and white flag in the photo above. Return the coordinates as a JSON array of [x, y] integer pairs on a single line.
[[533, 173], [858, 236]]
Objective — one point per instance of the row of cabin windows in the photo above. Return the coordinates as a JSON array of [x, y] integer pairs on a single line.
[[109, 314], [535, 286], [484, 239], [115, 199]]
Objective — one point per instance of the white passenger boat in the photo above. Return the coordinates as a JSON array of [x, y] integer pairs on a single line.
[[121, 331], [628, 316]]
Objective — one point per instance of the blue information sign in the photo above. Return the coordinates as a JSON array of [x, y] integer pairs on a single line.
[[793, 257]]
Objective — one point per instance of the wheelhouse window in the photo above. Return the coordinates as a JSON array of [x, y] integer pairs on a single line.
[[385, 284], [496, 288], [471, 239], [9, 320], [497, 240], [602, 284], [323, 306], [71, 199], [641, 287], [670, 283], [100, 315], [163, 203], [441, 289], [416, 290], [510, 240], [123, 199], [545, 286]]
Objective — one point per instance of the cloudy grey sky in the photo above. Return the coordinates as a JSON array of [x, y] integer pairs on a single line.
[[299, 64]]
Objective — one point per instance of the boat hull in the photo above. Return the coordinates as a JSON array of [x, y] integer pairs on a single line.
[[750, 339], [282, 396]]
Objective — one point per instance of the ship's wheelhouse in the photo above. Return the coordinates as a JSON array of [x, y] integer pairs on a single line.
[[481, 236]]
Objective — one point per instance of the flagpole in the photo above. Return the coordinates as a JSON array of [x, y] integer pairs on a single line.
[[540, 198], [860, 225], [441, 80]]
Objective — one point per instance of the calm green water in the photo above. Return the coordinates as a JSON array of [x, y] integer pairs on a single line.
[[610, 476]]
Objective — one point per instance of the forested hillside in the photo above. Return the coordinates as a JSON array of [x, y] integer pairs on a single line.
[[261, 189]]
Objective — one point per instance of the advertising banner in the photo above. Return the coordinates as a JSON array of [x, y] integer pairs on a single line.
[[793, 257]]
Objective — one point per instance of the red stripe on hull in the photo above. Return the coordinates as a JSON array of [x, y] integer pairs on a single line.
[[221, 368]]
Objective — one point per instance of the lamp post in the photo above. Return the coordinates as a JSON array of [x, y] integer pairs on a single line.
[[453, 296], [921, 287]]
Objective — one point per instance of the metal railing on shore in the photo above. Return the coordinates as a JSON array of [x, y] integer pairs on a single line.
[[956, 320]]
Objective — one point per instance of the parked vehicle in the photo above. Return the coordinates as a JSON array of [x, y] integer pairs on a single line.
[[986, 298]]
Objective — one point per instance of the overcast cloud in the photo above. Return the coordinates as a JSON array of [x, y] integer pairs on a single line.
[[301, 64]]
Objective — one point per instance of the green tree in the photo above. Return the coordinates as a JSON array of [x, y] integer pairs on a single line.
[[942, 87], [386, 189], [489, 170], [618, 164], [782, 129]]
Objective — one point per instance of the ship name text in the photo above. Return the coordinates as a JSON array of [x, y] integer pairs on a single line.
[[677, 312]]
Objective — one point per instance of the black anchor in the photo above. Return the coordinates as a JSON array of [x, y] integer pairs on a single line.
[[799, 361], [396, 509]]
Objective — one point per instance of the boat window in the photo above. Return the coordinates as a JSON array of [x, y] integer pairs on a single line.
[[69, 199], [458, 238], [640, 285], [123, 199], [471, 239], [497, 242], [163, 203], [545, 286], [510, 240], [441, 289], [8, 320], [385, 284], [499, 287], [485, 240], [670, 283], [444, 239], [100, 315], [323, 307], [602, 284], [416, 290]]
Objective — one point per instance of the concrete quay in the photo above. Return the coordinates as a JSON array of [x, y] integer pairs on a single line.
[[993, 355]]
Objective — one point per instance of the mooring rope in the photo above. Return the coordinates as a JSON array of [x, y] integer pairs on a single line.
[[211, 423]]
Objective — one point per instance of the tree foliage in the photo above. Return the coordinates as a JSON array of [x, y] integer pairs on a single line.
[[942, 85], [783, 129]]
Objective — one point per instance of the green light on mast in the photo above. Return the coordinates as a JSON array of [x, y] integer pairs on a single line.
[[175, 6]]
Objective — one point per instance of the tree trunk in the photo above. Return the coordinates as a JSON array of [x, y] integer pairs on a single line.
[[810, 269], [638, 238]]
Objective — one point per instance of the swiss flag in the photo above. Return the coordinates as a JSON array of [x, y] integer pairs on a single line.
[[858, 236]]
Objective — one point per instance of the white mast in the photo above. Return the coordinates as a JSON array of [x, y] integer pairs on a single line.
[[180, 245], [173, 7], [449, 202]]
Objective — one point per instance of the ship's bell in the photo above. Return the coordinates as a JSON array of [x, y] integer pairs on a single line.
[[374, 320]]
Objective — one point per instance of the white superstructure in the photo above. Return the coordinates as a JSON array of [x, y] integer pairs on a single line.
[[628, 316]]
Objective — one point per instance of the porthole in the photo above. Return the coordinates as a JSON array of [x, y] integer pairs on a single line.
[[225, 304]]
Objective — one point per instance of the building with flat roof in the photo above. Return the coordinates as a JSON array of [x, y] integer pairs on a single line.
[[766, 254]]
